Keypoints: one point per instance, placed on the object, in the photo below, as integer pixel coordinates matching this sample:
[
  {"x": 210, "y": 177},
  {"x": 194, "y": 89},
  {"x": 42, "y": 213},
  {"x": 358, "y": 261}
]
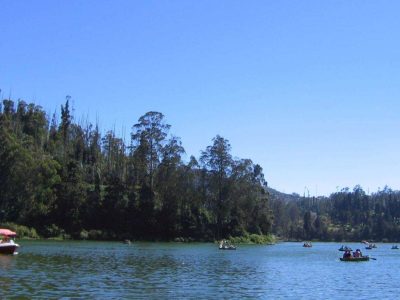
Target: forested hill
[
  {"x": 347, "y": 215},
  {"x": 68, "y": 179},
  {"x": 276, "y": 195}
]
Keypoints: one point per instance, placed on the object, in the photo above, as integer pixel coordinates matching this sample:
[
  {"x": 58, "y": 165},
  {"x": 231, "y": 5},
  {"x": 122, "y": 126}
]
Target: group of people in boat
[
  {"x": 349, "y": 254},
  {"x": 307, "y": 244},
  {"x": 5, "y": 239},
  {"x": 226, "y": 245}
]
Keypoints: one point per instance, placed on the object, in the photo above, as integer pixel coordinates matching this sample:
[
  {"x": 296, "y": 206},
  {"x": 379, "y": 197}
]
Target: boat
[
  {"x": 230, "y": 247},
  {"x": 307, "y": 244},
  {"x": 7, "y": 244},
  {"x": 395, "y": 247},
  {"x": 226, "y": 245},
  {"x": 355, "y": 259},
  {"x": 345, "y": 248},
  {"x": 371, "y": 246}
]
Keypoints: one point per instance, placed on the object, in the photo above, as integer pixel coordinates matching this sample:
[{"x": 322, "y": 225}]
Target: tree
[
  {"x": 71, "y": 196},
  {"x": 149, "y": 138},
  {"x": 114, "y": 155},
  {"x": 218, "y": 160},
  {"x": 66, "y": 120},
  {"x": 170, "y": 188},
  {"x": 308, "y": 225}
]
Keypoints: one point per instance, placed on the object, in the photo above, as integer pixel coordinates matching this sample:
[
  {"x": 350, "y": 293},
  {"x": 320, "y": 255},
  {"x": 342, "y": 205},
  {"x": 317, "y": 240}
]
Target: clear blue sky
[{"x": 310, "y": 90}]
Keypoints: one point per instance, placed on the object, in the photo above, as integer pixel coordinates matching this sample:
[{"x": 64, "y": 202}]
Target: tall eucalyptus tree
[
  {"x": 218, "y": 161},
  {"x": 149, "y": 137}
]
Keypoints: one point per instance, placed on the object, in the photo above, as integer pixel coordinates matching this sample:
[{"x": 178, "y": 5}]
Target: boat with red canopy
[{"x": 7, "y": 244}]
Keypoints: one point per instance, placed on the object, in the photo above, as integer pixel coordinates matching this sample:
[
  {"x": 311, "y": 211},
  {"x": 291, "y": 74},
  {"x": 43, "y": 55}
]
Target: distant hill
[{"x": 276, "y": 195}]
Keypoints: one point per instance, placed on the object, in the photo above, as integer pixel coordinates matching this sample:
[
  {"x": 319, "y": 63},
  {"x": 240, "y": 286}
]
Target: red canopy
[{"x": 7, "y": 232}]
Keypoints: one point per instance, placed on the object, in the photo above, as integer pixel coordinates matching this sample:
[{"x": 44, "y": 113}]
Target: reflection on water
[
  {"x": 46, "y": 269},
  {"x": 6, "y": 262}
]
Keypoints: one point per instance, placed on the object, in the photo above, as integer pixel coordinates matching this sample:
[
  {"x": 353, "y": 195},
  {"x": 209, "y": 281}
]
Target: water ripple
[{"x": 80, "y": 270}]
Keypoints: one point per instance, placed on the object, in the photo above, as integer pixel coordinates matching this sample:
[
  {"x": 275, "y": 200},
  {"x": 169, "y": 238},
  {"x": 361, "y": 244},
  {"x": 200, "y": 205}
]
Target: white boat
[{"x": 7, "y": 244}]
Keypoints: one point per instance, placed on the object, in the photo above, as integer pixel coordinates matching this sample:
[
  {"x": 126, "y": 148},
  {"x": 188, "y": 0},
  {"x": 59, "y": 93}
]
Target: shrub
[
  {"x": 95, "y": 235},
  {"x": 53, "y": 231},
  {"x": 84, "y": 235},
  {"x": 253, "y": 239}
]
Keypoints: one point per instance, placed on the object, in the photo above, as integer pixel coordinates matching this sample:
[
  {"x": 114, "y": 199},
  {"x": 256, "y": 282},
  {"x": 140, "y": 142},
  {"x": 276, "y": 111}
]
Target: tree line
[
  {"x": 65, "y": 178},
  {"x": 347, "y": 215}
]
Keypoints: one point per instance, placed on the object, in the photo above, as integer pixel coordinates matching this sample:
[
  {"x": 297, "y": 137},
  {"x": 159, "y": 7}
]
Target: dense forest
[
  {"x": 347, "y": 215},
  {"x": 61, "y": 178},
  {"x": 67, "y": 179}
]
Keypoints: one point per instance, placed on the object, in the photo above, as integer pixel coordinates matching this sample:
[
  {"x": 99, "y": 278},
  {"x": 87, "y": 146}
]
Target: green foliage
[
  {"x": 53, "y": 231},
  {"x": 66, "y": 179},
  {"x": 95, "y": 235},
  {"x": 21, "y": 230},
  {"x": 83, "y": 235},
  {"x": 344, "y": 216},
  {"x": 253, "y": 239}
]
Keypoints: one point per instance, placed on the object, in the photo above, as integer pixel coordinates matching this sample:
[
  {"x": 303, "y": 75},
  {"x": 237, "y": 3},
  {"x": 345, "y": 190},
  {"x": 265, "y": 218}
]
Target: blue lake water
[{"x": 99, "y": 270}]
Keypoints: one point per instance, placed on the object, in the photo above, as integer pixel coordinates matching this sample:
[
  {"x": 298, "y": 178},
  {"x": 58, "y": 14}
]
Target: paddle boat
[
  {"x": 7, "y": 244},
  {"x": 395, "y": 247},
  {"x": 355, "y": 259},
  {"x": 370, "y": 246},
  {"x": 226, "y": 245},
  {"x": 345, "y": 248},
  {"x": 307, "y": 244}
]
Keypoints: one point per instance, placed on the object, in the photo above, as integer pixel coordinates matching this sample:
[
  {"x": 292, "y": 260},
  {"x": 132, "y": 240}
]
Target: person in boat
[
  {"x": 347, "y": 254},
  {"x": 357, "y": 253},
  {"x": 224, "y": 244}
]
